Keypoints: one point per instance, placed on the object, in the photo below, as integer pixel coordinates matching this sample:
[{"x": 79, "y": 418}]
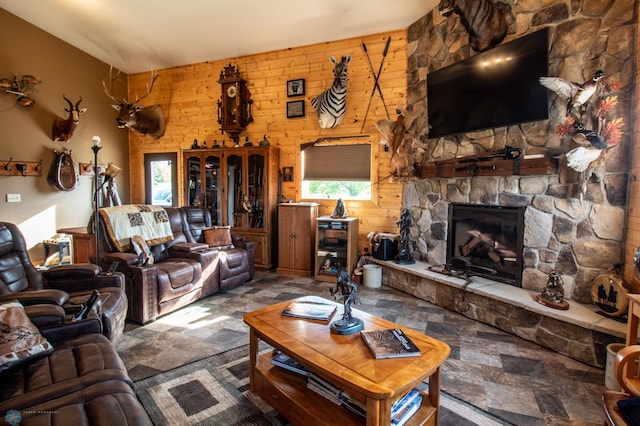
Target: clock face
[{"x": 231, "y": 91}]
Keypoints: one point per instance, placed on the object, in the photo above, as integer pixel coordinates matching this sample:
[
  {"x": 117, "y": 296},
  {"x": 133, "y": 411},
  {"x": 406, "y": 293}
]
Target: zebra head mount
[{"x": 330, "y": 104}]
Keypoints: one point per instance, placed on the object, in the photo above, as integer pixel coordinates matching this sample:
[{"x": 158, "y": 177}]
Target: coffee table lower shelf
[{"x": 288, "y": 394}]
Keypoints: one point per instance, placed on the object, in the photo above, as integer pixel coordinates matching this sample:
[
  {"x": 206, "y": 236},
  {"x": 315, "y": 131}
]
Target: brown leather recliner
[
  {"x": 236, "y": 263},
  {"x": 181, "y": 273},
  {"x": 52, "y": 298}
]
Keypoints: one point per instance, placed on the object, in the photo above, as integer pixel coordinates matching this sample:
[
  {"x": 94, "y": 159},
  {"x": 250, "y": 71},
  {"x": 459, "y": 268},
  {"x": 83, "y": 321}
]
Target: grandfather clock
[{"x": 234, "y": 106}]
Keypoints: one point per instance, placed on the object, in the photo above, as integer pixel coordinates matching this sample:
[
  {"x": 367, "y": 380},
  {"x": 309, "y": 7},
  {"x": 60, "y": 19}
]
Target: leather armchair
[
  {"x": 53, "y": 297},
  {"x": 182, "y": 272}
]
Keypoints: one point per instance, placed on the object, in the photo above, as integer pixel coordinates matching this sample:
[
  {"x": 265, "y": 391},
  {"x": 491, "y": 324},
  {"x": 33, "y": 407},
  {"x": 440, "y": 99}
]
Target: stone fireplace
[
  {"x": 488, "y": 240},
  {"x": 573, "y": 222}
]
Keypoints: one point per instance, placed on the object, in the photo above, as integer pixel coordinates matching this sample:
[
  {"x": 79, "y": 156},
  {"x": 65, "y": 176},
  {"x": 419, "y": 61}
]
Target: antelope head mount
[
  {"x": 62, "y": 128},
  {"x": 143, "y": 119}
]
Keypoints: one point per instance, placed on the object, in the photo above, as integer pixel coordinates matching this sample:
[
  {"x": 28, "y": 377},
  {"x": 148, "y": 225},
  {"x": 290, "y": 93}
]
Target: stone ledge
[{"x": 589, "y": 348}]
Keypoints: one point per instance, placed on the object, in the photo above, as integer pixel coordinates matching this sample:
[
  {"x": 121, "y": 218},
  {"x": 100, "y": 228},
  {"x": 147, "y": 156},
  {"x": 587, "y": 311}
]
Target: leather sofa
[
  {"x": 54, "y": 296},
  {"x": 83, "y": 381},
  {"x": 236, "y": 262},
  {"x": 183, "y": 271}
]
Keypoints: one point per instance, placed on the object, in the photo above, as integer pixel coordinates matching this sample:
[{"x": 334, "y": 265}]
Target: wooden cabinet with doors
[
  {"x": 240, "y": 187},
  {"x": 296, "y": 237}
]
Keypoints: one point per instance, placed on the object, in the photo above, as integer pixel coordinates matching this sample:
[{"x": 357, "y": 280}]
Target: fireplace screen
[{"x": 490, "y": 237}]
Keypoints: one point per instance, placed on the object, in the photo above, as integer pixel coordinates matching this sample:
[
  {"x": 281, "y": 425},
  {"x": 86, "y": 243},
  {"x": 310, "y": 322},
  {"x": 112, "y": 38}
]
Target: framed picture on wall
[
  {"x": 295, "y": 87},
  {"x": 287, "y": 174},
  {"x": 295, "y": 109}
]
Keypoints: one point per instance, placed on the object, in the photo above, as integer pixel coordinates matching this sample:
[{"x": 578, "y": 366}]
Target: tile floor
[{"x": 517, "y": 380}]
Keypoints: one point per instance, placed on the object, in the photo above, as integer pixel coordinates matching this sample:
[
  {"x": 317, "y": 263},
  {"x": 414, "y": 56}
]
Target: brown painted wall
[
  {"x": 25, "y": 134},
  {"x": 189, "y": 94}
]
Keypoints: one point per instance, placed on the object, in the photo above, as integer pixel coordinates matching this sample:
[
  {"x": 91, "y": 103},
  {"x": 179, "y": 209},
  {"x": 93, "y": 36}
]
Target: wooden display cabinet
[
  {"x": 296, "y": 237},
  {"x": 240, "y": 187},
  {"x": 336, "y": 246}
]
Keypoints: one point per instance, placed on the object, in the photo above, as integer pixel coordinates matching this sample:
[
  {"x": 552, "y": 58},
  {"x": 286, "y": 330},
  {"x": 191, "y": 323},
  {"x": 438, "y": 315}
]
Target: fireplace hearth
[{"x": 489, "y": 238}]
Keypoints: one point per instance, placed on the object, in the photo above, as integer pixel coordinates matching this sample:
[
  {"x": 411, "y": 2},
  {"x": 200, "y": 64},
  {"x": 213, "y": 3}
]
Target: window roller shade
[{"x": 337, "y": 162}]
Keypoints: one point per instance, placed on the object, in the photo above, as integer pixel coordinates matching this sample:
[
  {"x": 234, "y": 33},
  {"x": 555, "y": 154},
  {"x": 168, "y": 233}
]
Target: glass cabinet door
[
  {"x": 236, "y": 199},
  {"x": 212, "y": 194},
  {"x": 255, "y": 186},
  {"x": 194, "y": 173}
]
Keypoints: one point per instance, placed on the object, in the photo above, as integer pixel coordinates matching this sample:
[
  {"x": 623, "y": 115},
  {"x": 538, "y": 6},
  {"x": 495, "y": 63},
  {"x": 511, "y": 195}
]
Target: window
[
  {"x": 336, "y": 171},
  {"x": 161, "y": 188}
]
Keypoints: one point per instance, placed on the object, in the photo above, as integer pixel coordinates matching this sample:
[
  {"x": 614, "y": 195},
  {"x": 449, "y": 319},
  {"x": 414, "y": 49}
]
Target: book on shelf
[
  {"x": 311, "y": 307},
  {"x": 407, "y": 412},
  {"x": 335, "y": 394},
  {"x": 404, "y": 401},
  {"x": 389, "y": 343},
  {"x": 284, "y": 361}
]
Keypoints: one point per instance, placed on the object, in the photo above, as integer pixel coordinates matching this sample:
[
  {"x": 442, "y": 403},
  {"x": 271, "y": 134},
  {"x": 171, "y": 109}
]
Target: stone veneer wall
[{"x": 577, "y": 231}]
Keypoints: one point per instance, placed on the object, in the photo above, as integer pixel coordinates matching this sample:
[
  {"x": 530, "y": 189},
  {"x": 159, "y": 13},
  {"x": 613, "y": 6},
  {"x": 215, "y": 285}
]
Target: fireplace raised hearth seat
[
  {"x": 579, "y": 332},
  {"x": 167, "y": 270}
]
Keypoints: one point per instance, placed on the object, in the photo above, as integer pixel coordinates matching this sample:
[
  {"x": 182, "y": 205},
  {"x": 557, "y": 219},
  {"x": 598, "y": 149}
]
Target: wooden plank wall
[
  {"x": 189, "y": 94},
  {"x": 633, "y": 218}
]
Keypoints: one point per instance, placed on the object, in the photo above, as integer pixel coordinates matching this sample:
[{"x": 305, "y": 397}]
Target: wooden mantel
[{"x": 466, "y": 167}]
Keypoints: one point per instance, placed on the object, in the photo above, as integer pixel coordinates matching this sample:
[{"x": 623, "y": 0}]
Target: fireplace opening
[{"x": 489, "y": 237}]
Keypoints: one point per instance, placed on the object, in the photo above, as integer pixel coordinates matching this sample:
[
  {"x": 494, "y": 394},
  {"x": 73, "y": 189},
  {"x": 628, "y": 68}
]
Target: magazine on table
[
  {"x": 311, "y": 307},
  {"x": 390, "y": 343}
]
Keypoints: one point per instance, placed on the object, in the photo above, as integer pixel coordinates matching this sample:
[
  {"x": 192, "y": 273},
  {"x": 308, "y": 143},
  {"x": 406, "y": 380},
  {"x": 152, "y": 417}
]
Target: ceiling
[{"x": 141, "y": 35}]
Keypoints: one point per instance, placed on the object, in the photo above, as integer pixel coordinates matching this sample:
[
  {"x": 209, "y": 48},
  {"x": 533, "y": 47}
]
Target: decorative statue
[
  {"x": 349, "y": 290},
  {"x": 553, "y": 294},
  {"x": 340, "y": 212},
  {"x": 264, "y": 141},
  {"x": 404, "y": 254}
]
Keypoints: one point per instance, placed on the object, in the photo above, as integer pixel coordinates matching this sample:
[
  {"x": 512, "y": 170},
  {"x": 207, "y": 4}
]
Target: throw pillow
[
  {"x": 141, "y": 248},
  {"x": 20, "y": 339},
  {"x": 220, "y": 236}
]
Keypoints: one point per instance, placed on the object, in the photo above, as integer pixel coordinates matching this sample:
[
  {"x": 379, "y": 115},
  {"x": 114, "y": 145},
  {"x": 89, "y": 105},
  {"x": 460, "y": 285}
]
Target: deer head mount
[
  {"x": 143, "y": 119},
  {"x": 63, "y": 128}
]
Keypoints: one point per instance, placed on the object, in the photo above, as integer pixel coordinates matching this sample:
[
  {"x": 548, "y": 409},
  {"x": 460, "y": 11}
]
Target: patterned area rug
[{"x": 215, "y": 391}]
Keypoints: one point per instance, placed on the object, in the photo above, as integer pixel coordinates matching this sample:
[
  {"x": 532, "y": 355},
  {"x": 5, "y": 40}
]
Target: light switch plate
[{"x": 14, "y": 198}]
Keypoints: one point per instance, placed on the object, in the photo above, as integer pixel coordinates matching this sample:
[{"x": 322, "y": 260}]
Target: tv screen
[{"x": 495, "y": 88}]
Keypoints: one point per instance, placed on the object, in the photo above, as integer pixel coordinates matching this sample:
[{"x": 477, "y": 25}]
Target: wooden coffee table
[{"x": 346, "y": 362}]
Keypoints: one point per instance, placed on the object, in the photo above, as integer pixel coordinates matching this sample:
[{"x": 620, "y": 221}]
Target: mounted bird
[{"x": 577, "y": 95}]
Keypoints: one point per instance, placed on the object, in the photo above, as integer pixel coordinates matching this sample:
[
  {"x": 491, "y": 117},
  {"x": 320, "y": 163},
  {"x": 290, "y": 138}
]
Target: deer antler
[
  {"x": 109, "y": 90},
  {"x": 154, "y": 76}
]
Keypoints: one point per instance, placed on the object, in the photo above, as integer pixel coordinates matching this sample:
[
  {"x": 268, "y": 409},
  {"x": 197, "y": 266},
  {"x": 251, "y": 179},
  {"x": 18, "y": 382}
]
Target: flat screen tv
[{"x": 498, "y": 87}]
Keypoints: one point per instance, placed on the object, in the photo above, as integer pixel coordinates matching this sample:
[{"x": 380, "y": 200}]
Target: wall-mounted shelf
[
  {"x": 20, "y": 168},
  {"x": 495, "y": 167}
]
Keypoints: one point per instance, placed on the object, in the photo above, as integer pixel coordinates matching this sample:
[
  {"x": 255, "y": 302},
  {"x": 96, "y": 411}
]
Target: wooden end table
[{"x": 346, "y": 362}]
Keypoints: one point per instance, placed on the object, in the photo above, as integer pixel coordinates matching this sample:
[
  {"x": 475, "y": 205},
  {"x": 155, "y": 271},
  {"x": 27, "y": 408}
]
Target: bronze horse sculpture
[{"x": 486, "y": 21}]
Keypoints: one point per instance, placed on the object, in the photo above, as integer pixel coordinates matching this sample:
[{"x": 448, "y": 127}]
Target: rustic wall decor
[
  {"x": 295, "y": 87},
  {"x": 295, "y": 109}
]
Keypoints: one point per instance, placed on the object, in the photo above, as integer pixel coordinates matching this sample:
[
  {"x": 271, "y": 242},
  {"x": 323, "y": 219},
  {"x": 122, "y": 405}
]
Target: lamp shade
[{"x": 112, "y": 171}]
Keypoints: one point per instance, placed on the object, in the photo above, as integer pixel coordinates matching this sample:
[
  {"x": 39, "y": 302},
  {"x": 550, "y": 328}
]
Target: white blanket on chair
[{"x": 123, "y": 222}]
